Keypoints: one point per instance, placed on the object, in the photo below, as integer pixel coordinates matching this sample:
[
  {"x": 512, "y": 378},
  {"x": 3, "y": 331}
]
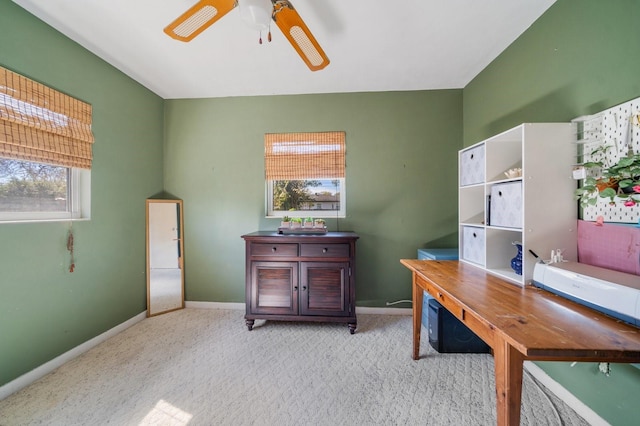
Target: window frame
[{"x": 325, "y": 214}]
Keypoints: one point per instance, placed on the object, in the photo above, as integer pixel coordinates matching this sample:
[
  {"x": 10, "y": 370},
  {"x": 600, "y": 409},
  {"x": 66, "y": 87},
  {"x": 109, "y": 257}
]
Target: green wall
[
  {"x": 581, "y": 57},
  {"x": 400, "y": 184},
  {"x": 578, "y": 58},
  {"x": 44, "y": 309}
]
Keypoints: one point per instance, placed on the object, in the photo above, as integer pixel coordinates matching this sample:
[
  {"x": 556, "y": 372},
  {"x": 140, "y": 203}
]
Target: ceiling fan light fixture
[{"x": 256, "y": 13}]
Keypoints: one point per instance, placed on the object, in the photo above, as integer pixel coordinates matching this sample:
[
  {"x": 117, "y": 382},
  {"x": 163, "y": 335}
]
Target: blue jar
[{"x": 516, "y": 262}]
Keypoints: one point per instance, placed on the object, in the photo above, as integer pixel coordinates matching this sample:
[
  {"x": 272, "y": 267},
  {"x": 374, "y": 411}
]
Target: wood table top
[{"x": 539, "y": 324}]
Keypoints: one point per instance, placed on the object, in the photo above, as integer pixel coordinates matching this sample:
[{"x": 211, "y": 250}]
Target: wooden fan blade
[
  {"x": 198, "y": 18},
  {"x": 298, "y": 34}
]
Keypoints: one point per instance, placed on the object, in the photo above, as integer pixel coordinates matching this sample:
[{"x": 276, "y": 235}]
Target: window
[
  {"x": 36, "y": 191},
  {"x": 45, "y": 152},
  {"x": 305, "y": 174}
]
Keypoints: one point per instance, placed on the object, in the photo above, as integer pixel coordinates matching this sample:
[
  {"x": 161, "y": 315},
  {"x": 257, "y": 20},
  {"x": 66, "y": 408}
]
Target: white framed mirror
[{"x": 165, "y": 256}]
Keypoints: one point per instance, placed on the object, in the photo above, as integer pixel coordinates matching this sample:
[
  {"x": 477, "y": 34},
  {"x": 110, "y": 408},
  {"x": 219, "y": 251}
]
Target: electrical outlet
[{"x": 605, "y": 368}]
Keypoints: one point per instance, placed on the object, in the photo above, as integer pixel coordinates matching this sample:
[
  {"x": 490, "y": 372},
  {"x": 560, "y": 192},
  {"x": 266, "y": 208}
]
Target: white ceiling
[{"x": 373, "y": 45}]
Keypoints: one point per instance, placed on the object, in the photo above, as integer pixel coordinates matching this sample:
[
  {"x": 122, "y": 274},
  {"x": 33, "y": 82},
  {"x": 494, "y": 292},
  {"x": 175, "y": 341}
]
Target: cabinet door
[
  {"x": 274, "y": 288},
  {"x": 324, "y": 288}
]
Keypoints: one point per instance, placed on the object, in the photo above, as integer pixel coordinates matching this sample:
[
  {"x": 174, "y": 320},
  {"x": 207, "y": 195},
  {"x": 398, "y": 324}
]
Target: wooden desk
[{"x": 519, "y": 324}]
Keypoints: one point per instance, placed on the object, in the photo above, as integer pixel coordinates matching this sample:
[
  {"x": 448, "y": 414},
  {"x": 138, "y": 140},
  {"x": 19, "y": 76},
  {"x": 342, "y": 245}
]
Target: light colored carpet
[{"x": 203, "y": 367}]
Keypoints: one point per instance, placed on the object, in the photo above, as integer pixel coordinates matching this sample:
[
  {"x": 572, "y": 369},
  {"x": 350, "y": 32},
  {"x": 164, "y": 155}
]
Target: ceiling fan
[{"x": 206, "y": 12}]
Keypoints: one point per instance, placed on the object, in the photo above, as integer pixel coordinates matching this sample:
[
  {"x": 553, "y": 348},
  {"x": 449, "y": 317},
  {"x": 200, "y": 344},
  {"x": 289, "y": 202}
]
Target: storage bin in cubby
[
  {"x": 472, "y": 166},
  {"x": 506, "y": 205},
  {"x": 473, "y": 248}
]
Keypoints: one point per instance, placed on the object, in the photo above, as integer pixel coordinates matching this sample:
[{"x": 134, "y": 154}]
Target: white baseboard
[
  {"x": 46, "y": 368},
  {"x": 383, "y": 311},
  {"x": 561, "y": 392},
  {"x": 241, "y": 307},
  {"x": 215, "y": 305}
]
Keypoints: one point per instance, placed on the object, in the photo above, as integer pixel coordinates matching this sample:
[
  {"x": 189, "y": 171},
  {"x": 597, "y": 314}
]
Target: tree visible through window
[
  {"x": 33, "y": 187},
  {"x": 318, "y": 195}
]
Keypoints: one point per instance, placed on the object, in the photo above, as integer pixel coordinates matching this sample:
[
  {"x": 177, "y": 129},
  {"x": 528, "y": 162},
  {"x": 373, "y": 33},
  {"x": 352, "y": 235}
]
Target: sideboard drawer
[
  {"x": 260, "y": 249},
  {"x": 324, "y": 250}
]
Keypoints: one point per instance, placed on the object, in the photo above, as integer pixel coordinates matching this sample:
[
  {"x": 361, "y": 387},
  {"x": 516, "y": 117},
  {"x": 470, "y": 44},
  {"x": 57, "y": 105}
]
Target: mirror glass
[{"x": 165, "y": 271}]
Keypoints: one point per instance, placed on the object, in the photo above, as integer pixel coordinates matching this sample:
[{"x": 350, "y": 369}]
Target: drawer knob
[
  {"x": 324, "y": 250},
  {"x": 439, "y": 295},
  {"x": 273, "y": 249}
]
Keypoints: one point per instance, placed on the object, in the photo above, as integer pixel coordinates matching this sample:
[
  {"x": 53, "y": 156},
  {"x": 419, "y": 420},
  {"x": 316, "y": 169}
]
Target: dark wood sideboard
[{"x": 301, "y": 277}]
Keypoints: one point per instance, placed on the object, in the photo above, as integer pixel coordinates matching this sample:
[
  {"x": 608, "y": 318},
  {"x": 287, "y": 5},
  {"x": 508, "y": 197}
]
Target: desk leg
[
  {"x": 508, "y": 368},
  {"x": 417, "y": 317}
]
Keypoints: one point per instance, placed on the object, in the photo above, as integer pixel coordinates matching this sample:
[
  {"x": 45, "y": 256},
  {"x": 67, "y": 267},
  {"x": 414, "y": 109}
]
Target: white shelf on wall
[{"x": 538, "y": 209}]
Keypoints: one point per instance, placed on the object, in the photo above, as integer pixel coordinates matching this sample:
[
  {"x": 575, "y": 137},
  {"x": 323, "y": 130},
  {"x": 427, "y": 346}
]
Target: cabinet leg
[
  {"x": 249, "y": 323},
  {"x": 352, "y": 327}
]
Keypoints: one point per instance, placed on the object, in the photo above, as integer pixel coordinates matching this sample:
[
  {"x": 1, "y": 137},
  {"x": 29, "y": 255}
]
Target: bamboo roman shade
[
  {"x": 297, "y": 156},
  {"x": 42, "y": 125}
]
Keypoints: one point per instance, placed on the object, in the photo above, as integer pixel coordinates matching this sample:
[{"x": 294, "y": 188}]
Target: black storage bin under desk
[{"x": 447, "y": 334}]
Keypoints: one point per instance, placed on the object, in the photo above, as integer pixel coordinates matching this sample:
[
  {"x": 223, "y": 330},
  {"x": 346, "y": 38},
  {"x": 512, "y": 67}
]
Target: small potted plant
[
  {"x": 319, "y": 223},
  {"x": 308, "y": 222},
  {"x": 627, "y": 173},
  {"x": 286, "y": 222},
  {"x": 620, "y": 180},
  {"x": 296, "y": 222}
]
